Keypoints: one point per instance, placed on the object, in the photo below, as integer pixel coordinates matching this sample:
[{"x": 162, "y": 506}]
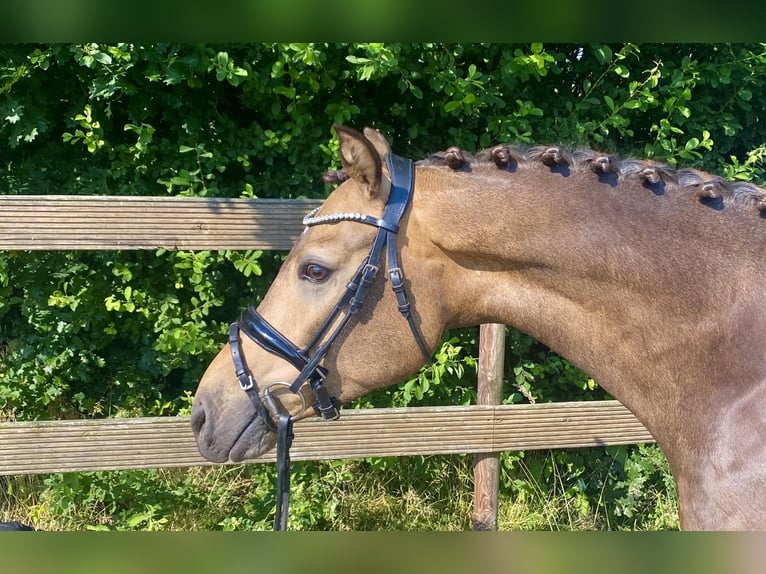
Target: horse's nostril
[{"x": 197, "y": 416}]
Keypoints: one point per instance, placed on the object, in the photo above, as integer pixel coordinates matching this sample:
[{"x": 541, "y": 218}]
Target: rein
[{"x": 307, "y": 360}]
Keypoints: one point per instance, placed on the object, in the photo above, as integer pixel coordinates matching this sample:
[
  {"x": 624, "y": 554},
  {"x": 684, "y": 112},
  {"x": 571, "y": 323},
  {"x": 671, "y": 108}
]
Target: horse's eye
[{"x": 316, "y": 273}]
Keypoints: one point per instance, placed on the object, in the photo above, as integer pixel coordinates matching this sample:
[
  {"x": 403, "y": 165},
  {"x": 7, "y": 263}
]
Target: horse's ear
[
  {"x": 360, "y": 159},
  {"x": 378, "y": 141}
]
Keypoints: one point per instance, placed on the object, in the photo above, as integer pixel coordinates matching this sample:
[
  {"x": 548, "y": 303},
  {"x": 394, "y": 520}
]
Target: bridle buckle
[{"x": 247, "y": 385}]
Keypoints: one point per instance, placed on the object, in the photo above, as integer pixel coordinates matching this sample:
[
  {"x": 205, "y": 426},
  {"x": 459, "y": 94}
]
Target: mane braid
[
  {"x": 334, "y": 177},
  {"x": 707, "y": 188}
]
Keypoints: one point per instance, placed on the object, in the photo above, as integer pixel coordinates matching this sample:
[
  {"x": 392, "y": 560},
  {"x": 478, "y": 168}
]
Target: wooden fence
[{"x": 483, "y": 430}]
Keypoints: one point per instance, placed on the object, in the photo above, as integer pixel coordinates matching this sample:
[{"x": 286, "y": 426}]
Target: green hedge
[{"x": 86, "y": 333}]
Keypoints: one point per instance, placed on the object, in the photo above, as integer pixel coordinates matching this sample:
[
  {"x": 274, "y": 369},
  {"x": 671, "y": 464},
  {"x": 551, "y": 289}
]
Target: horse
[{"x": 651, "y": 279}]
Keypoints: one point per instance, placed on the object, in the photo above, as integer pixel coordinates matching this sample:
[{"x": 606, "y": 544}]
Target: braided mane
[{"x": 713, "y": 190}]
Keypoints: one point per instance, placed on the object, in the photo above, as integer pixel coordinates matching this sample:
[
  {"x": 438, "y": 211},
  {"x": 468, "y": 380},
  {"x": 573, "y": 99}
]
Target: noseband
[{"x": 307, "y": 359}]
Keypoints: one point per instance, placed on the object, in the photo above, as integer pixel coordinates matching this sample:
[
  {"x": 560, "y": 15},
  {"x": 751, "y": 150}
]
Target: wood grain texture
[
  {"x": 44, "y": 222},
  {"x": 486, "y": 467},
  {"x": 156, "y": 442}
]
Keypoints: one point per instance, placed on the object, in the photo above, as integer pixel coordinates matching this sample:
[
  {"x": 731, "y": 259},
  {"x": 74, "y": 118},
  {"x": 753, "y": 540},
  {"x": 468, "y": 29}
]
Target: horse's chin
[
  {"x": 255, "y": 441},
  {"x": 226, "y": 442}
]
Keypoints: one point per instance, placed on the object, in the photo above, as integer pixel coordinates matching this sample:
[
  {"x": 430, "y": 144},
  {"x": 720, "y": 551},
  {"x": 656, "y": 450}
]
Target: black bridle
[{"x": 307, "y": 359}]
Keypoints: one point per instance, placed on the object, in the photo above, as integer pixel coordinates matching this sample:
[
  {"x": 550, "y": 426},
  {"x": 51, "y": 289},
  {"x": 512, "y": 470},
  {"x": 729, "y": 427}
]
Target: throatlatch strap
[{"x": 396, "y": 276}]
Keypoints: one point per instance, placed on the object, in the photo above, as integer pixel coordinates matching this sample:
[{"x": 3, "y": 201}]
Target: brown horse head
[
  {"x": 650, "y": 279},
  {"x": 307, "y": 288}
]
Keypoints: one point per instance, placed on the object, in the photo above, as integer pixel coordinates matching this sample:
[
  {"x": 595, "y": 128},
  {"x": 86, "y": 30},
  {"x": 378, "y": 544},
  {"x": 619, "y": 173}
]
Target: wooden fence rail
[
  {"x": 155, "y": 442},
  {"x": 104, "y": 222},
  {"x": 45, "y": 222}
]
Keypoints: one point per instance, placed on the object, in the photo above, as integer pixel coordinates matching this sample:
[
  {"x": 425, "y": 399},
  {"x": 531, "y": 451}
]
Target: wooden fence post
[{"x": 486, "y": 470}]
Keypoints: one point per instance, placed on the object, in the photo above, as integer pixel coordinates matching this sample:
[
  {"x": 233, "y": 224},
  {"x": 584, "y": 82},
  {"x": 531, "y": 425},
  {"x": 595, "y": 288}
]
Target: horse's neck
[
  {"x": 642, "y": 291},
  {"x": 657, "y": 296}
]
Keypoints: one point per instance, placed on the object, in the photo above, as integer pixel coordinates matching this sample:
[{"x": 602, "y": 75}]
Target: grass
[{"x": 539, "y": 491}]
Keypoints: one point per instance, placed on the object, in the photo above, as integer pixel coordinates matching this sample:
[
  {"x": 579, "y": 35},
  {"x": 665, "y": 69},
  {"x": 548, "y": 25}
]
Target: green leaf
[
  {"x": 136, "y": 519},
  {"x": 603, "y": 54},
  {"x": 452, "y": 105},
  {"x": 102, "y": 58}
]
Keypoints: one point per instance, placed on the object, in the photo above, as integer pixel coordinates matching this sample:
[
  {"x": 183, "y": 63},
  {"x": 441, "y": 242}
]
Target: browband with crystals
[{"x": 313, "y": 219}]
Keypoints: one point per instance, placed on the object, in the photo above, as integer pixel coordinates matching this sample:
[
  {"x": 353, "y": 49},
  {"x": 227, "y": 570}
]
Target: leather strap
[
  {"x": 245, "y": 377},
  {"x": 284, "y": 441}
]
